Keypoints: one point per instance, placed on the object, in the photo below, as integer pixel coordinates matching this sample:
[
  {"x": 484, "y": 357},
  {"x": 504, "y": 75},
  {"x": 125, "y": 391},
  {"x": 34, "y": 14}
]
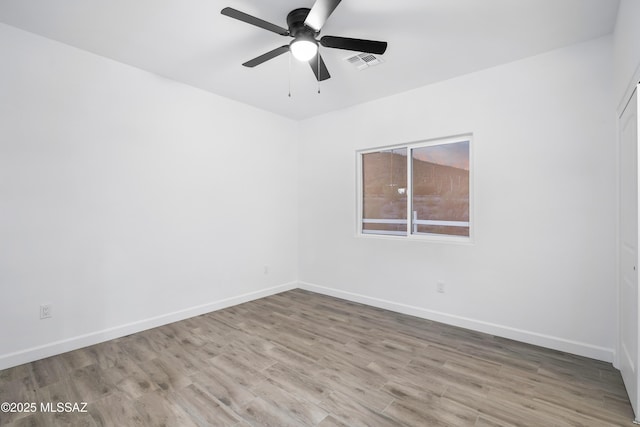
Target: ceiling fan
[{"x": 304, "y": 26}]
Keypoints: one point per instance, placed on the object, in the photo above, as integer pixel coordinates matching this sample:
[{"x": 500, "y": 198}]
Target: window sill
[{"x": 426, "y": 238}]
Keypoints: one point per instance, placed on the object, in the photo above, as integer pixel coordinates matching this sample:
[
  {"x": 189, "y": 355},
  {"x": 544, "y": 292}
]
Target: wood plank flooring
[{"x": 303, "y": 359}]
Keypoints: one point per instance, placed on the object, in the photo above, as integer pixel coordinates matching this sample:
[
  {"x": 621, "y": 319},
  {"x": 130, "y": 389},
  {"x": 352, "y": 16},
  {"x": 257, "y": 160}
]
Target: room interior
[{"x": 147, "y": 177}]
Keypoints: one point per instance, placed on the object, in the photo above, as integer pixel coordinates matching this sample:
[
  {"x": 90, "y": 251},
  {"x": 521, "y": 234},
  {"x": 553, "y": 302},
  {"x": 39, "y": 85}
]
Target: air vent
[{"x": 364, "y": 60}]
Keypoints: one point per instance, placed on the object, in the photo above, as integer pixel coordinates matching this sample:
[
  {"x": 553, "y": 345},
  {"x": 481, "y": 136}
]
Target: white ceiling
[{"x": 429, "y": 41}]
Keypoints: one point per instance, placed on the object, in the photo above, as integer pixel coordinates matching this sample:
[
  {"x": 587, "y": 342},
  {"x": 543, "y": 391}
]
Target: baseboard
[
  {"x": 62, "y": 346},
  {"x": 548, "y": 341}
]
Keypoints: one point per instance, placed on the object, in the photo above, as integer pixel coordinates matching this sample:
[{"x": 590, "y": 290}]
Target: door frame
[{"x": 633, "y": 89}]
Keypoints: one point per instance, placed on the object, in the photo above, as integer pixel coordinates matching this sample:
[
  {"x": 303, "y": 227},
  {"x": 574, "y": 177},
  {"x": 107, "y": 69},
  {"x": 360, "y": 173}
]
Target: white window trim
[{"x": 443, "y": 238}]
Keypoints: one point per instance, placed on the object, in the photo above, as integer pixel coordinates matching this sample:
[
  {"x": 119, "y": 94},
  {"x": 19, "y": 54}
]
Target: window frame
[{"x": 445, "y": 238}]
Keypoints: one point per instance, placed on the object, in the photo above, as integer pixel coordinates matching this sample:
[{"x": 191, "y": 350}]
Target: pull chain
[
  {"x": 289, "y": 74},
  {"x": 318, "y": 56}
]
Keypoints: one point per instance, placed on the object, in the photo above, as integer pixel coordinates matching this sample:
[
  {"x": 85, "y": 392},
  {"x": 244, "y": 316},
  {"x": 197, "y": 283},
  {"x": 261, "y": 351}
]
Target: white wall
[
  {"x": 626, "y": 49},
  {"x": 542, "y": 268},
  {"x": 128, "y": 200}
]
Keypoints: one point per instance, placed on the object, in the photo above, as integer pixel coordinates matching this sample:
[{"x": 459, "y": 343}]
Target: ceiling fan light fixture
[
  {"x": 303, "y": 48},
  {"x": 304, "y": 25}
]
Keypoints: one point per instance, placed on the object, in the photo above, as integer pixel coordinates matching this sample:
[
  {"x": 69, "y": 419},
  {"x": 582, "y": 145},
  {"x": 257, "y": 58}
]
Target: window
[{"x": 421, "y": 189}]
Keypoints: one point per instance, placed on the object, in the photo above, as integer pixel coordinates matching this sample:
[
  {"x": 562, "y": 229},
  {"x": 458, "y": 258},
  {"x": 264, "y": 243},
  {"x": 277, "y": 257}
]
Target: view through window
[
  {"x": 384, "y": 177},
  {"x": 438, "y": 197}
]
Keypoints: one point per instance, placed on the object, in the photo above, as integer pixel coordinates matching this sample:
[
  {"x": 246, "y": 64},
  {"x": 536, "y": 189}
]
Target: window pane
[
  {"x": 441, "y": 189},
  {"x": 384, "y": 204}
]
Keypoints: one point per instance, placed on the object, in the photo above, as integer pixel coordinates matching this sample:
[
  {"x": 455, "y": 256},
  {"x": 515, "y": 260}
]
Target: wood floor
[{"x": 303, "y": 359}]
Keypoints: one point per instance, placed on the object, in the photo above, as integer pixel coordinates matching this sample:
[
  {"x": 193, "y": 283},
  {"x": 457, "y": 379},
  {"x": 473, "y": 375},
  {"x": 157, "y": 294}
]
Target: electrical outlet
[
  {"x": 440, "y": 287},
  {"x": 45, "y": 311}
]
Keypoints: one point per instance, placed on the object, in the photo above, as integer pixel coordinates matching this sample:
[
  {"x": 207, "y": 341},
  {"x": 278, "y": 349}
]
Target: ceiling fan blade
[
  {"x": 320, "y": 11},
  {"x": 321, "y": 72},
  {"x": 267, "y": 56},
  {"x": 358, "y": 45},
  {"x": 241, "y": 16}
]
